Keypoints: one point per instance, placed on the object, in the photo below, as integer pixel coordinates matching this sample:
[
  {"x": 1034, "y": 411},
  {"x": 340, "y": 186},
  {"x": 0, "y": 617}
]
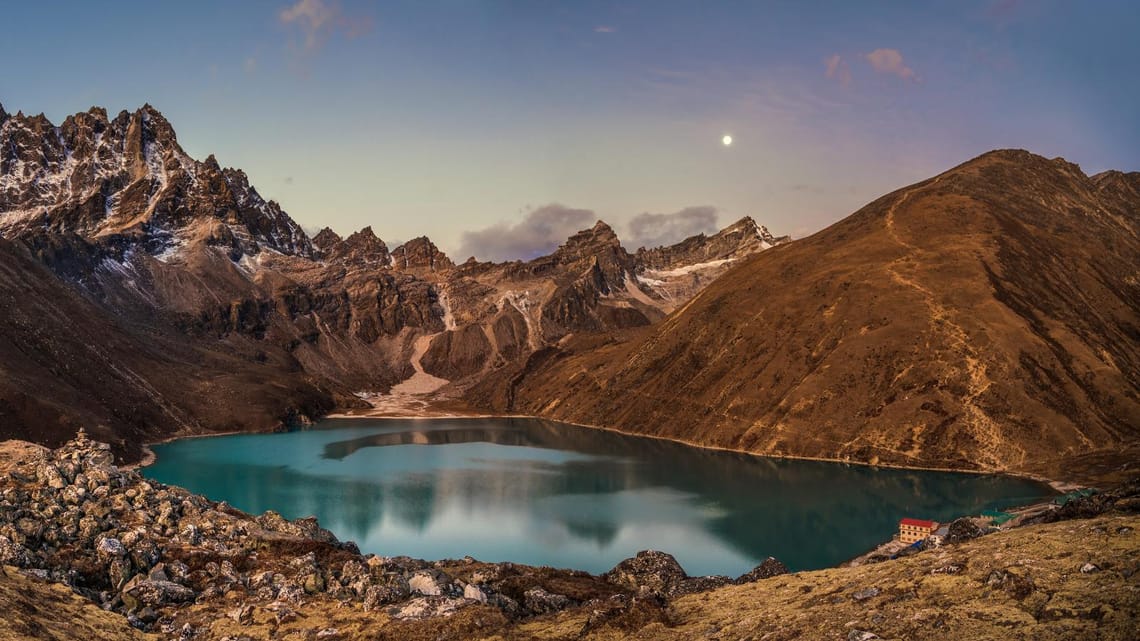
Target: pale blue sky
[{"x": 439, "y": 117}]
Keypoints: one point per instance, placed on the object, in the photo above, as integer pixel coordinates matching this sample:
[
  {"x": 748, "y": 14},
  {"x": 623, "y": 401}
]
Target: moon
[{"x": 727, "y": 140}]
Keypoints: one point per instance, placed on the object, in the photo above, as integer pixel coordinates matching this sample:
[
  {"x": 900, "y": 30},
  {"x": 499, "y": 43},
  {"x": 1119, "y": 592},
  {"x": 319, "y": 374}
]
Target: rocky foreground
[{"x": 94, "y": 551}]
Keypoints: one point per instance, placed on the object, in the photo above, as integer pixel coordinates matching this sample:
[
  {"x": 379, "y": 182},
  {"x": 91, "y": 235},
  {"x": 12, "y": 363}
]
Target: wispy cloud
[
  {"x": 539, "y": 233},
  {"x": 604, "y": 29},
  {"x": 656, "y": 230},
  {"x": 890, "y": 61},
  {"x": 249, "y": 65},
  {"x": 318, "y": 20},
  {"x": 838, "y": 69}
]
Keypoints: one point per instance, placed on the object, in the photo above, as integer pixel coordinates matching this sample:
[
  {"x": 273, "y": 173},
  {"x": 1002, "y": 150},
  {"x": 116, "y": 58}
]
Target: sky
[{"x": 499, "y": 127}]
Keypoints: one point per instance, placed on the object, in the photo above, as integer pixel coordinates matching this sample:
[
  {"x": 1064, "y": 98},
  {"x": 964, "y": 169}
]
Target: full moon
[{"x": 727, "y": 140}]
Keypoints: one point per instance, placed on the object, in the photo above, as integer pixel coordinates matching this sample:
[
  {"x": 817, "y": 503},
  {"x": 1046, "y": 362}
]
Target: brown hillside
[{"x": 988, "y": 318}]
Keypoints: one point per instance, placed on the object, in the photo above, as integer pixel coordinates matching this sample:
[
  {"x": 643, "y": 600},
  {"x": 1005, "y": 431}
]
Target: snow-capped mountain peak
[{"x": 128, "y": 177}]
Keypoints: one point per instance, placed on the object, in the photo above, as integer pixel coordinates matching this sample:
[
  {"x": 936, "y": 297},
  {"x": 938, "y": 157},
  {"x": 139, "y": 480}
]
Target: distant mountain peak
[
  {"x": 601, "y": 234},
  {"x": 421, "y": 253},
  {"x": 741, "y": 238},
  {"x": 326, "y": 239}
]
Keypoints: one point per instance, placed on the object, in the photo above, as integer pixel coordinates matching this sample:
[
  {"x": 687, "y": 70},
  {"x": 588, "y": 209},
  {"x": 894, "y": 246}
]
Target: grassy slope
[{"x": 984, "y": 319}]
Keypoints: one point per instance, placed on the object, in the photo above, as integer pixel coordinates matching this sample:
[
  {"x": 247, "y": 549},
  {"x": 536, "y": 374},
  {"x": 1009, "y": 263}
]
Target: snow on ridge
[
  {"x": 687, "y": 269},
  {"x": 172, "y": 250}
]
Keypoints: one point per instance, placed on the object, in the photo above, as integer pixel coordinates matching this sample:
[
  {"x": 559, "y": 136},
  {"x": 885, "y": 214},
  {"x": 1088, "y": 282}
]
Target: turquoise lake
[{"x": 546, "y": 493}]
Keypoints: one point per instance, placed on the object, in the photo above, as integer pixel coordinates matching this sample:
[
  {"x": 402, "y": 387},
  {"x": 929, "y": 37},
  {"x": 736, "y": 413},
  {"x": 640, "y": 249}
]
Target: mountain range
[
  {"x": 985, "y": 319},
  {"x": 148, "y": 294}
]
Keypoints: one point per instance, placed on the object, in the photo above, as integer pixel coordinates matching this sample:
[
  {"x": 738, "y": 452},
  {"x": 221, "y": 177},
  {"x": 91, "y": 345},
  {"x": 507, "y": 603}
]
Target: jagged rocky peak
[
  {"x": 360, "y": 247},
  {"x": 599, "y": 241},
  {"x": 326, "y": 239},
  {"x": 748, "y": 226},
  {"x": 596, "y": 249},
  {"x": 600, "y": 234},
  {"x": 3, "y": 114},
  {"x": 128, "y": 176},
  {"x": 420, "y": 253}
]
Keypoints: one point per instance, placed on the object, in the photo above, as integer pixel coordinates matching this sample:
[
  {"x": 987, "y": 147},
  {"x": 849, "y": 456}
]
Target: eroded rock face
[{"x": 420, "y": 254}]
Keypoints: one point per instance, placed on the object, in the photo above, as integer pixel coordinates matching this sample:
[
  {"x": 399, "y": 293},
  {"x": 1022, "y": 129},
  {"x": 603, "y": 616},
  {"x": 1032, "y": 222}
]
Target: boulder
[
  {"x": 474, "y": 593},
  {"x": 767, "y": 569},
  {"x": 650, "y": 572},
  {"x": 963, "y": 529},
  {"x": 433, "y": 583}
]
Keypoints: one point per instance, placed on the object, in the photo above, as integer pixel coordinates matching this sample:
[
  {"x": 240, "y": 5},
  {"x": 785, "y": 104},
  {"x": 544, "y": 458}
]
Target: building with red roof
[{"x": 914, "y": 530}]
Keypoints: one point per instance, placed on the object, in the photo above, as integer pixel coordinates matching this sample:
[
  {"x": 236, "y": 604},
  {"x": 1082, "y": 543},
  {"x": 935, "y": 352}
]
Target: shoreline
[
  {"x": 1058, "y": 486},
  {"x": 149, "y": 457}
]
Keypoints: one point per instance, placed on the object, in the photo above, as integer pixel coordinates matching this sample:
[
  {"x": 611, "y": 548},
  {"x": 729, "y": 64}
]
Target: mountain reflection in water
[{"x": 548, "y": 493}]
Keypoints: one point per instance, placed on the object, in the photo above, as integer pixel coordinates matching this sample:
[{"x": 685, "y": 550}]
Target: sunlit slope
[{"x": 986, "y": 318}]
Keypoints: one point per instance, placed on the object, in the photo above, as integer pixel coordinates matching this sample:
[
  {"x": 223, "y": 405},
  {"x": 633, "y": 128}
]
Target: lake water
[{"x": 546, "y": 493}]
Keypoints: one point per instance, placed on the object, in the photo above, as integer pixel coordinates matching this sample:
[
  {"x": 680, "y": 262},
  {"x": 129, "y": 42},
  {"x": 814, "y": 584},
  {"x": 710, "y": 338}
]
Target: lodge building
[{"x": 914, "y": 530}]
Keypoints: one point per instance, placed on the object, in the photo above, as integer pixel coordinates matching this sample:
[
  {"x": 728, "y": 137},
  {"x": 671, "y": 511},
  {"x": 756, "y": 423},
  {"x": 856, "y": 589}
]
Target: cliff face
[
  {"x": 987, "y": 318},
  {"x": 152, "y": 294}
]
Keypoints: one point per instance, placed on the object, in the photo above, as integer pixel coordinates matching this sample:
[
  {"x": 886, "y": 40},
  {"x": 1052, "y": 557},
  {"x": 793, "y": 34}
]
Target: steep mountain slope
[
  {"x": 988, "y": 318},
  {"x": 191, "y": 303},
  {"x": 66, "y": 362}
]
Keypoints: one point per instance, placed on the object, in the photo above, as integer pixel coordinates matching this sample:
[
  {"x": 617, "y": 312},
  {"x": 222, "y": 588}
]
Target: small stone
[
  {"x": 1089, "y": 568},
  {"x": 863, "y": 595},
  {"x": 141, "y": 592},
  {"x": 243, "y": 615},
  {"x": 158, "y": 573},
  {"x": 313, "y": 584},
  {"x": 861, "y": 635}
]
